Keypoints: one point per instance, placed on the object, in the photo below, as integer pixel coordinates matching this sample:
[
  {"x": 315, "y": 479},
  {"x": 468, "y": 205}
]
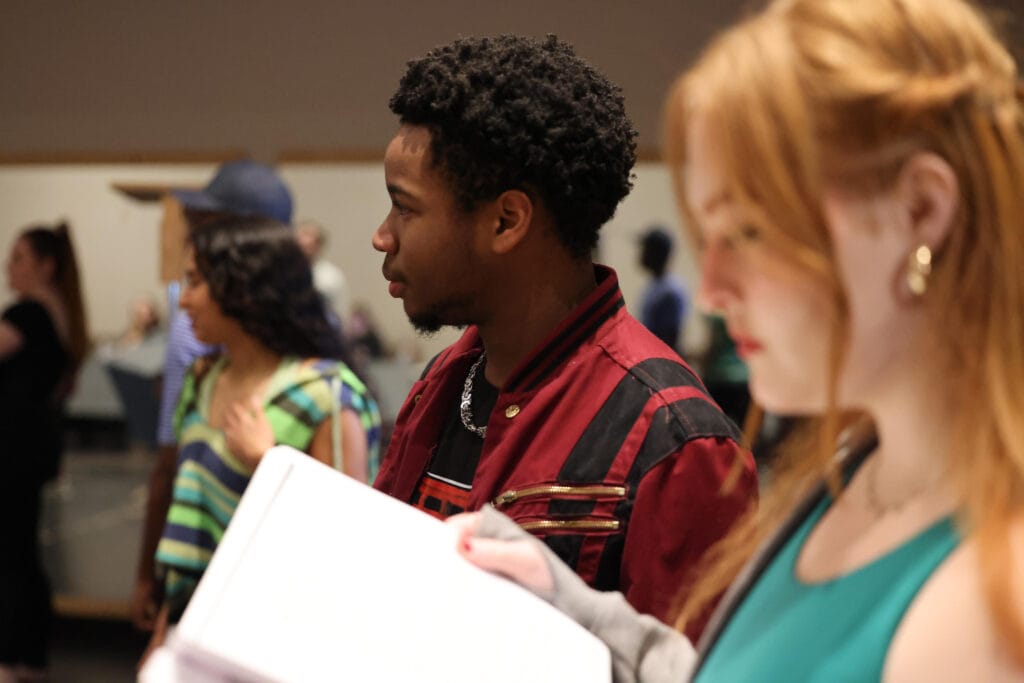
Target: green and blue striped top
[{"x": 210, "y": 480}]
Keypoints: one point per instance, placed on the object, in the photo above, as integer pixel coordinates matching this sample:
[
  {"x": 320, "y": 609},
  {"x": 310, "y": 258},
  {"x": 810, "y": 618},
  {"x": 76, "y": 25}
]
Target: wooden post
[{"x": 172, "y": 239}]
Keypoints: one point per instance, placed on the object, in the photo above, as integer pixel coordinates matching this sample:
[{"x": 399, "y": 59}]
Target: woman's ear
[
  {"x": 513, "y": 215},
  {"x": 929, "y": 195}
]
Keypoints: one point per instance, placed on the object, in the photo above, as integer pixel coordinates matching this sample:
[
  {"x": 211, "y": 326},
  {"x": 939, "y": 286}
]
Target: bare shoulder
[{"x": 947, "y": 633}]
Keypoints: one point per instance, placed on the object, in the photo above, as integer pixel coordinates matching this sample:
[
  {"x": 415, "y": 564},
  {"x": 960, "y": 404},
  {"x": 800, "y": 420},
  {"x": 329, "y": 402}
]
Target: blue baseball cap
[{"x": 242, "y": 187}]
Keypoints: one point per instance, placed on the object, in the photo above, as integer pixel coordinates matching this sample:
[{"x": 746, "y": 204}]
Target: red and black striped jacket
[{"x": 603, "y": 443}]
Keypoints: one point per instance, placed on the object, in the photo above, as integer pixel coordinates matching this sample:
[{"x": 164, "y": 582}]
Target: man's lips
[{"x": 395, "y": 285}]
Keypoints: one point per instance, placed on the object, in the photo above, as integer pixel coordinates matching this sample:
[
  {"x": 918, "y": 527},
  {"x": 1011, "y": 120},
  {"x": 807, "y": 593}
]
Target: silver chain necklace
[{"x": 466, "y": 404}]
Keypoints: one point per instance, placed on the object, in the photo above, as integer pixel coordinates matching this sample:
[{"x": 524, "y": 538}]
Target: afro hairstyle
[{"x": 512, "y": 112}]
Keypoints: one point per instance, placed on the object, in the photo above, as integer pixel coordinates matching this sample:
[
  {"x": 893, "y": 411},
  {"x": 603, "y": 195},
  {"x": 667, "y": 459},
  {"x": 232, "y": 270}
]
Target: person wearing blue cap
[
  {"x": 242, "y": 188},
  {"x": 239, "y": 188}
]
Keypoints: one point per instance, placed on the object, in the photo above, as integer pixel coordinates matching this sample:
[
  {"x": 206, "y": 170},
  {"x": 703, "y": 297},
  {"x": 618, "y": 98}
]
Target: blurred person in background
[
  {"x": 724, "y": 372},
  {"x": 280, "y": 379},
  {"x": 134, "y": 360},
  {"x": 664, "y": 304},
  {"x": 328, "y": 278},
  {"x": 141, "y": 347},
  {"x": 143, "y": 321},
  {"x": 238, "y": 188},
  {"x": 363, "y": 336},
  {"x": 43, "y": 340}
]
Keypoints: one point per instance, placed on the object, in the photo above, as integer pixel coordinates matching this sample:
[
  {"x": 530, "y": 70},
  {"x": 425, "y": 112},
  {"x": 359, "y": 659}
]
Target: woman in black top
[{"x": 42, "y": 343}]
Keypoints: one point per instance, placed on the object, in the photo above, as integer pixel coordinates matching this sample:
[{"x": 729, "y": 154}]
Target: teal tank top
[{"x": 828, "y": 632}]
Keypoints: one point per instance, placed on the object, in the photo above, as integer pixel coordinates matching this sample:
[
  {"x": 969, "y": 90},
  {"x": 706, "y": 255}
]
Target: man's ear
[
  {"x": 512, "y": 217},
  {"x": 929, "y": 195}
]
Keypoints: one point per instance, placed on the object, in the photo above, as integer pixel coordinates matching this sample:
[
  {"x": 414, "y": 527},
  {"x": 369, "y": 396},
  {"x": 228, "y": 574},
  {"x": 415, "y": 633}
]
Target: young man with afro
[{"x": 556, "y": 406}]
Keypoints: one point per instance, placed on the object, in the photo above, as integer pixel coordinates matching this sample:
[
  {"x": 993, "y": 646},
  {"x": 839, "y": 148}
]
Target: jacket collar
[{"x": 582, "y": 323}]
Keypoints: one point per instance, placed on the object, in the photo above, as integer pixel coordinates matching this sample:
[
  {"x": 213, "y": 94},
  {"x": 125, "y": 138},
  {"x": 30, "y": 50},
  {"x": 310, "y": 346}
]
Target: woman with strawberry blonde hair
[{"x": 853, "y": 173}]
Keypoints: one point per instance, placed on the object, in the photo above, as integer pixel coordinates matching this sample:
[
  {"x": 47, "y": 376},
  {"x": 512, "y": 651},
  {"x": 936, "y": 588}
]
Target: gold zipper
[
  {"x": 509, "y": 497},
  {"x": 577, "y": 524}
]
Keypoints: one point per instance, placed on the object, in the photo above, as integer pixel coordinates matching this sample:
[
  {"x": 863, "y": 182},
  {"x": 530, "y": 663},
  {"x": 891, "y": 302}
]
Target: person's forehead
[
  {"x": 409, "y": 149},
  {"x": 706, "y": 188},
  {"x": 407, "y": 164}
]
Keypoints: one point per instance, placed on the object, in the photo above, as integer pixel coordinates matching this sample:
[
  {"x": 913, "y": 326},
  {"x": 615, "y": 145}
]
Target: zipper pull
[{"x": 506, "y": 498}]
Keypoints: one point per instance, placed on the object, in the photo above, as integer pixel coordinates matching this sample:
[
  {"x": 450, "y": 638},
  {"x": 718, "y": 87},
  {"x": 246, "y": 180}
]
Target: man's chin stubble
[{"x": 429, "y": 324}]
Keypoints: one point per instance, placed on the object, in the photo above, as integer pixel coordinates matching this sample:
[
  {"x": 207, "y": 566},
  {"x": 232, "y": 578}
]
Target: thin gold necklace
[{"x": 881, "y": 508}]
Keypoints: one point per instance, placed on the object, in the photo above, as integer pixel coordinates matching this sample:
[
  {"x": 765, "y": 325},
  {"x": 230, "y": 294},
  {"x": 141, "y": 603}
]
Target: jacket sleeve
[
  {"x": 680, "y": 510},
  {"x": 642, "y": 648}
]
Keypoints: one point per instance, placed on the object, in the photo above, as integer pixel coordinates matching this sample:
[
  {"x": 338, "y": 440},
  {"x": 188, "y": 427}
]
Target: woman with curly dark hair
[
  {"x": 42, "y": 342},
  {"x": 281, "y": 379}
]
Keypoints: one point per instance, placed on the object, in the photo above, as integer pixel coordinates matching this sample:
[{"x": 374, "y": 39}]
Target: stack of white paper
[{"x": 320, "y": 578}]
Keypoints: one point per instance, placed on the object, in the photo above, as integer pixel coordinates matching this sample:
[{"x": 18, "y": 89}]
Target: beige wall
[
  {"x": 117, "y": 238},
  {"x": 119, "y": 79}
]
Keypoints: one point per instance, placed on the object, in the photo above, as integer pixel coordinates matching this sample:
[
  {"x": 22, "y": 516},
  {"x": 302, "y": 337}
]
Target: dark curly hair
[
  {"x": 514, "y": 112},
  {"x": 259, "y": 276}
]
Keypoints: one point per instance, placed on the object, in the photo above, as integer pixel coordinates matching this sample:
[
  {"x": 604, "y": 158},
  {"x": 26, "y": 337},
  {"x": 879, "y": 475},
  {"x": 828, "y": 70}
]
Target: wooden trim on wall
[
  {"x": 307, "y": 156},
  {"x": 139, "y": 157},
  {"x": 91, "y": 608},
  {"x": 150, "y": 192},
  {"x": 341, "y": 156},
  {"x": 330, "y": 156},
  {"x": 649, "y": 155}
]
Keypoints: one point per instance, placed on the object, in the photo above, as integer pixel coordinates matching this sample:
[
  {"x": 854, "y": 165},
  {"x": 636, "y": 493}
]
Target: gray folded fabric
[{"x": 643, "y": 648}]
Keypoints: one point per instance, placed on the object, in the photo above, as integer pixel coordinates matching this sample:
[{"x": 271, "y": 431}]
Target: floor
[
  {"x": 91, "y": 524},
  {"x": 94, "y": 651}
]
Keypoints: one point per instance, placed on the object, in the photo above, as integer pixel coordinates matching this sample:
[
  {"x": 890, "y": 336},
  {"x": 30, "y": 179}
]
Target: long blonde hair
[{"x": 811, "y": 94}]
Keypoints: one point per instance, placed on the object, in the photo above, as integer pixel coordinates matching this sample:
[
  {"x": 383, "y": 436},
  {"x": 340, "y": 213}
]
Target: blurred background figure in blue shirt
[{"x": 664, "y": 303}]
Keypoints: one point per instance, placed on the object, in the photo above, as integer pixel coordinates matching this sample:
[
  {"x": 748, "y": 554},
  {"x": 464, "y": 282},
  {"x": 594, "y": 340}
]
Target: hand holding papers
[{"x": 320, "y": 578}]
